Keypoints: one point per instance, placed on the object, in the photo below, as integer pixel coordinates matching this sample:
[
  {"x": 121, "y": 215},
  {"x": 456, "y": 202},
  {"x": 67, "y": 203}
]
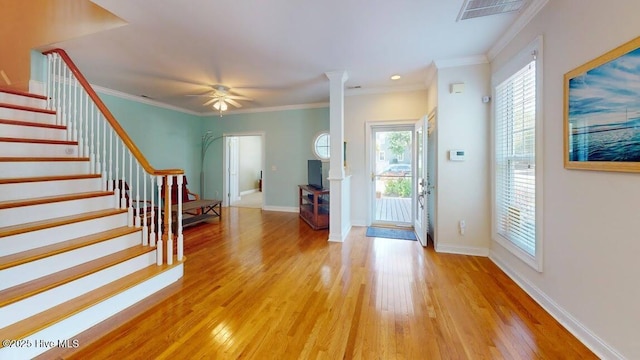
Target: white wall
[
  {"x": 358, "y": 109},
  {"x": 591, "y": 237},
  {"x": 250, "y": 162},
  {"x": 463, "y": 186}
]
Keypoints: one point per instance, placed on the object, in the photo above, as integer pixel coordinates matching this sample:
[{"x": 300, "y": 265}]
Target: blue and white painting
[{"x": 604, "y": 112}]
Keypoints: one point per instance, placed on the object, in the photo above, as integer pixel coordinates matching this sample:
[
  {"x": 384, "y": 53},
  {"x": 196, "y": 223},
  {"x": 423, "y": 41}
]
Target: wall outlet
[{"x": 462, "y": 227}]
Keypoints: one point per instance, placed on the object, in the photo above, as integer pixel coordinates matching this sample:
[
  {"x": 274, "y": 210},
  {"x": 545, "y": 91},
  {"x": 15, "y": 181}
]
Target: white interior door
[
  {"x": 232, "y": 171},
  {"x": 420, "y": 199}
]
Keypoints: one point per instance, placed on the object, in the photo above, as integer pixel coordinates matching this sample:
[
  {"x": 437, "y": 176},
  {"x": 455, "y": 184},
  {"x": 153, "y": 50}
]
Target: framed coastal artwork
[{"x": 602, "y": 112}]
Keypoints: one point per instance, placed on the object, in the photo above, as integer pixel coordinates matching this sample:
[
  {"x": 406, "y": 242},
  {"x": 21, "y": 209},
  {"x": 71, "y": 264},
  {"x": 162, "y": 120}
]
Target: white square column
[{"x": 340, "y": 195}]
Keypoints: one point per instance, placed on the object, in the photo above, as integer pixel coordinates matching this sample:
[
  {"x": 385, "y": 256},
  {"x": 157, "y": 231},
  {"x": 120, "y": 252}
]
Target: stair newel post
[
  {"x": 152, "y": 224},
  {"x": 168, "y": 218},
  {"x": 159, "y": 220},
  {"x": 128, "y": 202},
  {"x": 137, "y": 222},
  {"x": 179, "y": 221}
]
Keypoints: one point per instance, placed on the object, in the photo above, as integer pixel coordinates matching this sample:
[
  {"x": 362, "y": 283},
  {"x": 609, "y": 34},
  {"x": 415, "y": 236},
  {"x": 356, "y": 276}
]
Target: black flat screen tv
[{"x": 314, "y": 174}]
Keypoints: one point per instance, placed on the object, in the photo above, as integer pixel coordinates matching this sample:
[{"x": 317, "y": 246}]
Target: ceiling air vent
[{"x": 478, "y": 8}]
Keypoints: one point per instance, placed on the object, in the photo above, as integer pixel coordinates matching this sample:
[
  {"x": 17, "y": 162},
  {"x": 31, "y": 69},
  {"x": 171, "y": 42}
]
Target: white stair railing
[{"x": 112, "y": 154}]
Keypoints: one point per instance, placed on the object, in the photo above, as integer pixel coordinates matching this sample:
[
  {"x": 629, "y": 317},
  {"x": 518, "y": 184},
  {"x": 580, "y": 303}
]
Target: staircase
[{"x": 70, "y": 255}]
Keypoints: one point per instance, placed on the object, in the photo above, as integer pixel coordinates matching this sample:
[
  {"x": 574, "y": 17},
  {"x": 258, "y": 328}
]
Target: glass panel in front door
[{"x": 393, "y": 176}]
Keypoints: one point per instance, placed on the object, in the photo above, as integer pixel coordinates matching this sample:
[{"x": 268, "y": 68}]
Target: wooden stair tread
[
  {"x": 49, "y": 178},
  {"x": 60, "y": 221},
  {"x": 34, "y": 287},
  {"x": 41, "y": 158},
  {"x": 27, "y": 108},
  {"x": 67, "y": 309},
  {"x": 32, "y": 124},
  {"x": 52, "y": 199},
  {"x": 22, "y": 93},
  {"x": 64, "y": 246},
  {"x": 38, "y": 141}
]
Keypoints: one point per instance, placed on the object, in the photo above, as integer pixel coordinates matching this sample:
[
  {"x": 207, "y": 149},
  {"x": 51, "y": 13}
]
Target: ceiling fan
[{"x": 221, "y": 97}]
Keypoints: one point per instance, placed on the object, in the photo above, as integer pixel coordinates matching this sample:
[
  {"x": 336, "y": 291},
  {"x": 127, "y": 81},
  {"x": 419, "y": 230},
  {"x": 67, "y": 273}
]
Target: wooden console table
[{"x": 314, "y": 206}]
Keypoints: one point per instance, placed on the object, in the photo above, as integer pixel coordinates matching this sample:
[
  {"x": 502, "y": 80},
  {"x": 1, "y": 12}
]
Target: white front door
[{"x": 420, "y": 200}]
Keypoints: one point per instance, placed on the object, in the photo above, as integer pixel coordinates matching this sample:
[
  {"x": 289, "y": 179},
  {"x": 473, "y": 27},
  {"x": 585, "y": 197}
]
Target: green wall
[
  {"x": 287, "y": 134},
  {"x": 169, "y": 139}
]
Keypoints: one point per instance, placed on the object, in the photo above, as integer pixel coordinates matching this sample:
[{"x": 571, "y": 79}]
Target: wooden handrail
[{"x": 111, "y": 119}]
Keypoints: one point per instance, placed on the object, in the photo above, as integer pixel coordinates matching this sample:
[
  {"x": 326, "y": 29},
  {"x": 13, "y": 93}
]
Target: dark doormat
[{"x": 391, "y": 233}]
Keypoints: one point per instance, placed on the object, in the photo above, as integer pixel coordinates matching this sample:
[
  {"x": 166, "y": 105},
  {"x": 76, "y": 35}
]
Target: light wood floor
[{"x": 263, "y": 285}]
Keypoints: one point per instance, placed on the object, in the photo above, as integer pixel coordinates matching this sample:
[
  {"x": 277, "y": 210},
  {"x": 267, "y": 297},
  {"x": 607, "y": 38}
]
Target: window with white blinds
[{"x": 515, "y": 158}]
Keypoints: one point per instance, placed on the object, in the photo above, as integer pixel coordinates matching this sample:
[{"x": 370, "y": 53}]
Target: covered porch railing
[{"x": 137, "y": 186}]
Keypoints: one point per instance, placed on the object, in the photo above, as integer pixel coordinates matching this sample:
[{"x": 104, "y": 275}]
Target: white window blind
[{"x": 515, "y": 161}]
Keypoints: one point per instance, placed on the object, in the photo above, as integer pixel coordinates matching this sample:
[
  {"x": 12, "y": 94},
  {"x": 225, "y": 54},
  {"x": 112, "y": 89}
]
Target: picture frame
[{"x": 602, "y": 112}]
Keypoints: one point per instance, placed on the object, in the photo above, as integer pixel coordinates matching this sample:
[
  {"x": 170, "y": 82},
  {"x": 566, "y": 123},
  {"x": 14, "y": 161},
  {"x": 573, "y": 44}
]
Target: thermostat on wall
[{"x": 456, "y": 155}]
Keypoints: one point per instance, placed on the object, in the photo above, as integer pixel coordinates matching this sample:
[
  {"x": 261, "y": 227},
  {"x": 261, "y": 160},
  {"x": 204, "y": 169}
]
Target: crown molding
[
  {"x": 463, "y": 61},
  {"x": 384, "y": 90},
  {"x": 269, "y": 109},
  {"x": 142, "y": 100},
  {"x": 525, "y": 18}
]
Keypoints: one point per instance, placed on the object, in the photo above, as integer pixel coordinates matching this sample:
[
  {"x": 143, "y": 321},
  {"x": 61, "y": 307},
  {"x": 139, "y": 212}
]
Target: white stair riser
[
  {"x": 26, "y": 115},
  {"x": 30, "y": 271},
  {"x": 14, "y": 99},
  {"x": 32, "y": 132},
  {"x": 73, "y": 325},
  {"x": 25, "y": 214},
  {"x": 22, "y": 242},
  {"x": 55, "y": 296},
  {"x": 37, "y": 150},
  {"x": 21, "y": 169},
  {"x": 36, "y": 189}
]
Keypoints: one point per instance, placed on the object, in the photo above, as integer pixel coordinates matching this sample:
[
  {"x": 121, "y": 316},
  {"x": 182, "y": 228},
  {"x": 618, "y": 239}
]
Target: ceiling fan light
[{"x": 220, "y": 105}]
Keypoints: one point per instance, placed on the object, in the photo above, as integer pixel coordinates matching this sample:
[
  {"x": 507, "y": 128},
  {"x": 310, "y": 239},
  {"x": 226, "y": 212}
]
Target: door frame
[
  {"x": 432, "y": 186},
  {"x": 370, "y": 162},
  {"x": 225, "y": 164},
  {"x": 420, "y": 221}
]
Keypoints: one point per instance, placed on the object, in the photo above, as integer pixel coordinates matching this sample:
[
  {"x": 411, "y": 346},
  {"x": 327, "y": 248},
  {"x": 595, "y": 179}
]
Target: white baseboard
[
  {"x": 291, "y": 209},
  {"x": 358, "y": 223},
  {"x": 586, "y": 336},
  {"x": 462, "y": 250},
  {"x": 247, "y": 192}
]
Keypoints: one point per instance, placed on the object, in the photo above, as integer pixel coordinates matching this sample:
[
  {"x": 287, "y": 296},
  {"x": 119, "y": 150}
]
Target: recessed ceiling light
[{"x": 395, "y": 77}]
